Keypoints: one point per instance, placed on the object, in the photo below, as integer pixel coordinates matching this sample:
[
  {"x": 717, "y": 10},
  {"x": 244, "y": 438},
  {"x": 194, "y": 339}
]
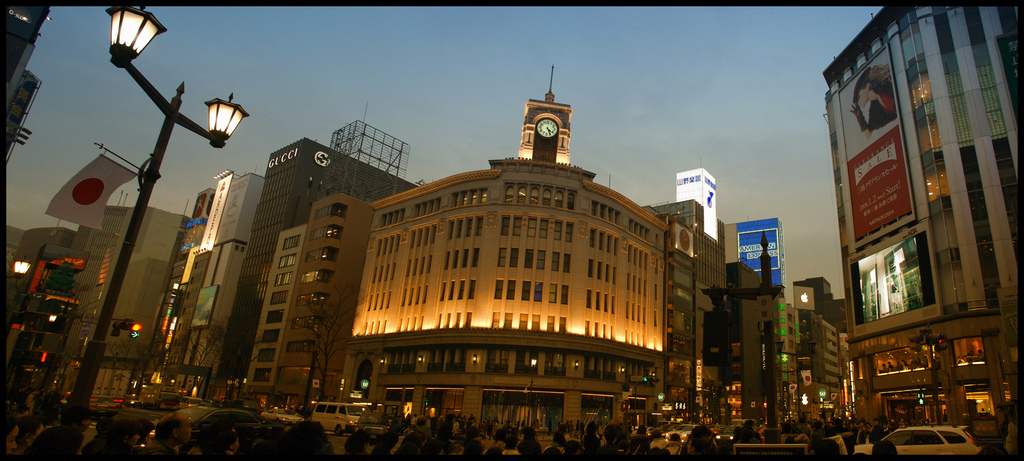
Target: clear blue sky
[{"x": 737, "y": 91}]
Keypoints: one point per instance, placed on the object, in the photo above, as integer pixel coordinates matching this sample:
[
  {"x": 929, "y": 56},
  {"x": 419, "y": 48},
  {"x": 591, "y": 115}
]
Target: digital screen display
[{"x": 895, "y": 280}]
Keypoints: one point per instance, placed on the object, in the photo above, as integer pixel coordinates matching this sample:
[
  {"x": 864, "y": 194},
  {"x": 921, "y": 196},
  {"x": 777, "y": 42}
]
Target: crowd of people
[{"x": 418, "y": 435}]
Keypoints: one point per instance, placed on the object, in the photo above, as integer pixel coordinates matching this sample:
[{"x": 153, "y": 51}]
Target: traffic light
[
  {"x": 941, "y": 343},
  {"x": 623, "y": 407},
  {"x": 916, "y": 341},
  {"x": 127, "y": 325}
]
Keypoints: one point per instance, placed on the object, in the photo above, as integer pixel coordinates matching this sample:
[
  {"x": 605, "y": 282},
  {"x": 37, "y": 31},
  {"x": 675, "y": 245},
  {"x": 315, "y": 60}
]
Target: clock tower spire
[{"x": 546, "y": 129}]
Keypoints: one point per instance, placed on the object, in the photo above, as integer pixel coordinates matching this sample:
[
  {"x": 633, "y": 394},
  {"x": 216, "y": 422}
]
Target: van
[
  {"x": 192, "y": 402},
  {"x": 337, "y": 417}
]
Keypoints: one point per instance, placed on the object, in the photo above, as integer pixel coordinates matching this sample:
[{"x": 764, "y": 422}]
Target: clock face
[
  {"x": 547, "y": 128},
  {"x": 322, "y": 158}
]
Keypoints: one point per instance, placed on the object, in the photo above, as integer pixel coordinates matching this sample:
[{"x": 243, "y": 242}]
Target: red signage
[{"x": 878, "y": 184}]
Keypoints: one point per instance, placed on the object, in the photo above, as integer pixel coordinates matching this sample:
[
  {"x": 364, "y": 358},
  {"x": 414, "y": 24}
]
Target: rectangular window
[
  {"x": 565, "y": 263},
  {"x": 279, "y": 297},
  {"x": 275, "y": 316},
  {"x": 510, "y": 293},
  {"x": 565, "y": 294},
  {"x": 553, "y": 294},
  {"x": 525, "y": 295},
  {"x": 528, "y": 258},
  {"x": 265, "y": 355},
  {"x": 517, "y": 227},
  {"x": 513, "y": 258},
  {"x": 290, "y": 242},
  {"x": 282, "y": 279},
  {"x": 543, "y": 229},
  {"x": 270, "y": 336},
  {"x": 499, "y": 288},
  {"x": 286, "y": 260},
  {"x": 568, "y": 232},
  {"x": 508, "y": 320},
  {"x": 261, "y": 375},
  {"x": 505, "y": 223},
  {"x": 531, "y": 229},
  {"x": 524, "y": 321},
  {"x": 541, "y": 254},
  {"x": 538, "y": 291},
  {"x": 472, "y": 292},
  {"x": 554, "y": 261},
  {"x": 495, "y": 323},
  {"x": 501, "y": 256}
]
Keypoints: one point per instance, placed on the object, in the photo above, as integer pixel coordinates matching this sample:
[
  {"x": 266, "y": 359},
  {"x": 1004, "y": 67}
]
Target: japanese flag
[
  {"x": 806, "y": 375},
  {"x": 83, "y": 198}
]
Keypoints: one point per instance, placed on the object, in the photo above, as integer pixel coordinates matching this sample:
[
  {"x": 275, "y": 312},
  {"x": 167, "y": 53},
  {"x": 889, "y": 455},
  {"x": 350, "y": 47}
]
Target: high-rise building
[
  {"x": 297, "y": 176},
  {"x": 922, "y": 117},
  {"x": 523, "y": 292},
  {"x": 291, "y": 185}
]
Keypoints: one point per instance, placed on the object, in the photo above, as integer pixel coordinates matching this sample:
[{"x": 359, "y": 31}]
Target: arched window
[
  {"x": 571, "y": 201},
  {"x": 546, "y": 197},
  {"x": 558, "y": 199},
  {"x": 522, "y": 195},
  {"x": 534, "y": 196},
  {"x": 509, "y": 193}
]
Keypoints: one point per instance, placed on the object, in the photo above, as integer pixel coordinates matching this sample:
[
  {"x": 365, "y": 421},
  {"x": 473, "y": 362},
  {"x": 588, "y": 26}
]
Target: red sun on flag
[{"x": 88, "y": 191}]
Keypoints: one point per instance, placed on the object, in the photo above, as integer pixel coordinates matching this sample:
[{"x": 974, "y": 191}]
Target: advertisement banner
[
  {"x": 879, "y": 189},
  {"x": 204, "y": 306}
]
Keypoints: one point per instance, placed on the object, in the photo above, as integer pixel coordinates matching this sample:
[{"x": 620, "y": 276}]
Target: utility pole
[{"x": 765, "y": 294}]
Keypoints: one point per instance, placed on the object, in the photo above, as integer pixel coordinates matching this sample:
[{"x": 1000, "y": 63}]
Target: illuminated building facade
[
  {"x": 922, "y": 117},
  {"x": 525, "y": 292}
]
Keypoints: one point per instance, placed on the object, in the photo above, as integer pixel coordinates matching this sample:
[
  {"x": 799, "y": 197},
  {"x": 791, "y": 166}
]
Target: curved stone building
[{"x": 523, "y": 292}]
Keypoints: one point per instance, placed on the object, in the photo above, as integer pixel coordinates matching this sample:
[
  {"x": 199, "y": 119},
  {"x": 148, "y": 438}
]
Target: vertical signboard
[
  {"x": 700, "y": 186},
  {"x": 216, "y": 213},
  {"x": 879, "y": 189}
]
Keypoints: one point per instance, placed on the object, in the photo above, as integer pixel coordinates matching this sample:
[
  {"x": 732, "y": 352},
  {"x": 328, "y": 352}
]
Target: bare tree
[{"x": 329, "y": 326}]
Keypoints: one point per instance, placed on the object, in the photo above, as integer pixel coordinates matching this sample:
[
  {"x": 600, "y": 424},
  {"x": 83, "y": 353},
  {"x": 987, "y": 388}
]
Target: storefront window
[
  {"x": 968, "y": 351},
  {"x": 900, "y": 361}
]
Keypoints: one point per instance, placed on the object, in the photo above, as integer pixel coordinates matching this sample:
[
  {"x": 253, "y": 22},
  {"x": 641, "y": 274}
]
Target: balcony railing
[
  {"x": 524, "y": 369},
  {"x": 496, "y": 368},
  {"x": 554, "y": 371},
  {"x": 455, "y": 366}
]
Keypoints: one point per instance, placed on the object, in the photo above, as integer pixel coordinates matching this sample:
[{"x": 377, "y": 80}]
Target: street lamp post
[{"x": 131, "y": 31}]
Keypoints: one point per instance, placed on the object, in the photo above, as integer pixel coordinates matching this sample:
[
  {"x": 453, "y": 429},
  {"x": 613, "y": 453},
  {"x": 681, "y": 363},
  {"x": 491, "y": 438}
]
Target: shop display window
[
  {"x": 969, "y": 351},
  {"x": 900, "y": 361}
]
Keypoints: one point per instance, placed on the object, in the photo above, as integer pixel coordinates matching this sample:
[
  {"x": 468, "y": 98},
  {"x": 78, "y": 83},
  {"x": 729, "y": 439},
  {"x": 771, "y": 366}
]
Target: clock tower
[{"x": 546, "y": 130}]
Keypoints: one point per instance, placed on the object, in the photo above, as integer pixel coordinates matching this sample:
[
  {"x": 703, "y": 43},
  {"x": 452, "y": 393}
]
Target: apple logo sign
[{"x": 803, "y": 297}]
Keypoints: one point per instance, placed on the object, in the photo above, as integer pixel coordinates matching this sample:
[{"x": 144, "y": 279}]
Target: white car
[
  {"x": 682, "y": 429},
  {"x": 282, "y": 414},
  {"x": 927, "y": 440}
]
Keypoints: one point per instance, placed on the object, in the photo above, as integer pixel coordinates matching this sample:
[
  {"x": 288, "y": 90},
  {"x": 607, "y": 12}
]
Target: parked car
[
  {"x": 283, "y": 415},
  {"x": 104, "y": 405},
  {"x": 373, "y": 423},
  {"x": 927, "y": 440},
  {"x": 249, "y": 425}
]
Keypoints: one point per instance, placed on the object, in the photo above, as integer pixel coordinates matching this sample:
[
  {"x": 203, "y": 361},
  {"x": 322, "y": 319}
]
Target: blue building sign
[{"x": 748, "y": 236}]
